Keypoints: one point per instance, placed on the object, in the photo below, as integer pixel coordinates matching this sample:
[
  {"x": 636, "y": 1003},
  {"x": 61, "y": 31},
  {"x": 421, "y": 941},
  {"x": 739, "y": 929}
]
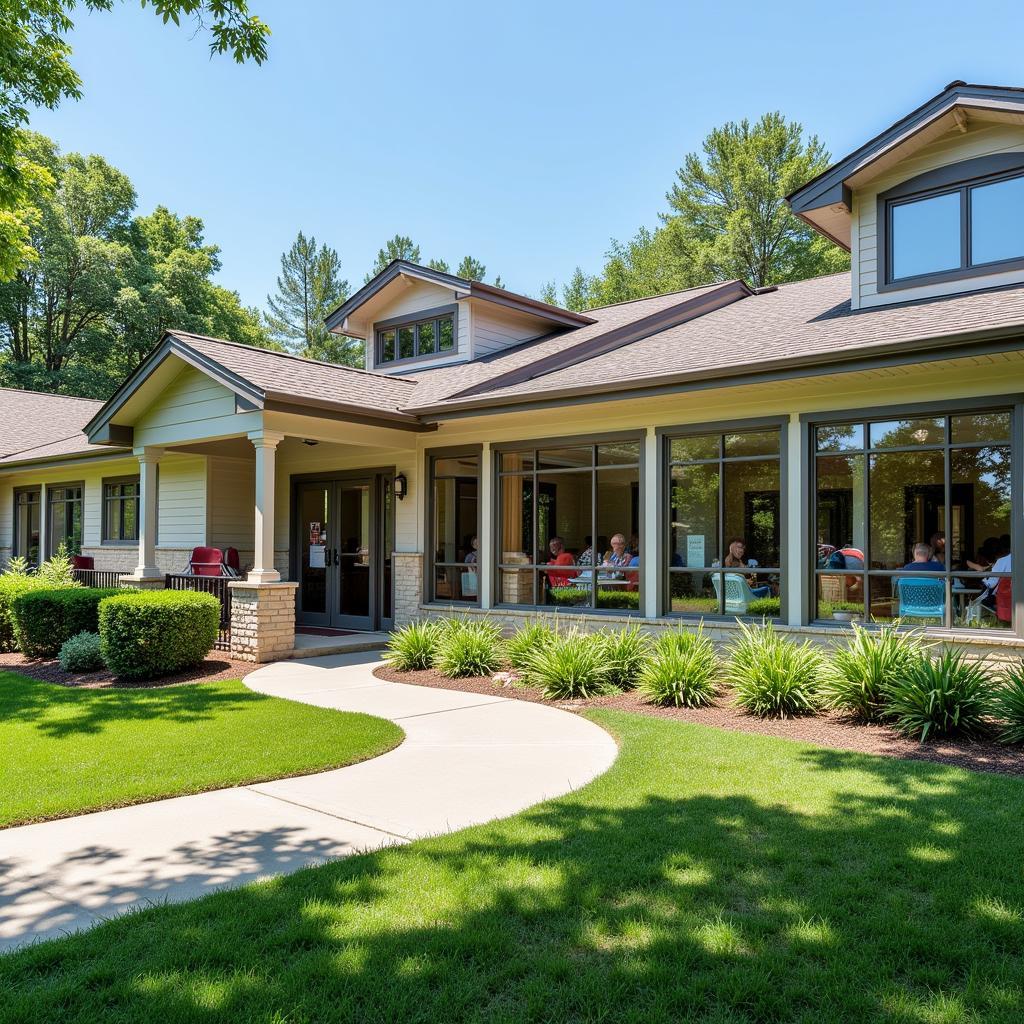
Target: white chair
[{"x": 738, "y": 594}]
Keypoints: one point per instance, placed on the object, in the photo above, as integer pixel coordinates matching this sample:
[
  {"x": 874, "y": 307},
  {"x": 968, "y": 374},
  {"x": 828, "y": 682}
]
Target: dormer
[
  {"x": 414, "y": 318},
  {"x": 934, "y": 205}
]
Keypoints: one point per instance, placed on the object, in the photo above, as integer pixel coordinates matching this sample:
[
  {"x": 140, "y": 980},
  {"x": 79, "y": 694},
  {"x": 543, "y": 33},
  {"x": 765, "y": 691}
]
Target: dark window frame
[
  {"x": 1014, "y": 404},
  {"x": 572, "y": 441},
  {"x": 415, "y": 321},
  {"x": 45, "y": 542},
  {"x": 721, "y": 428},
  {"x": 430, "y": 565},
  {"x": 959, "y": 178},
  {"x": 118, "y": 481},
  {"x": 37, "y": 490}
]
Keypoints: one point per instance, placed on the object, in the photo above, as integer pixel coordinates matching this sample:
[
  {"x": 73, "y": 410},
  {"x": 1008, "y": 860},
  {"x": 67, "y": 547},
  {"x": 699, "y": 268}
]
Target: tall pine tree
[{"x": 308, "y": 288}]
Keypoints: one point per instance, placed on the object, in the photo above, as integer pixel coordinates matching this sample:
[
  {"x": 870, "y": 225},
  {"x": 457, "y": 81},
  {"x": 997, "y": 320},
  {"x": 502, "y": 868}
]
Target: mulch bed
[
  {"x": 826, "y": 730},
  {"x": 213, "y": 669}
]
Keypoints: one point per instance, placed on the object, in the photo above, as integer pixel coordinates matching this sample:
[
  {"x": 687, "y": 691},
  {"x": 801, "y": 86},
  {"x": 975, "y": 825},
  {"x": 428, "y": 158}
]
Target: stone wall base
[
  {"x": 407, "y": 573},
  {"x": 262, "y": 620}
]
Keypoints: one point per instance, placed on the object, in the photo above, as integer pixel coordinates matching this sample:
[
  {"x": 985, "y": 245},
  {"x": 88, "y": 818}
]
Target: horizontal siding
[
  {"x": 182, "y": 502},
  {"x": 190, "y": 397},
  {"x": 494, "y": 331},
  {"x": 983, "y": 140},
  {"x": 232, "y": 498}
]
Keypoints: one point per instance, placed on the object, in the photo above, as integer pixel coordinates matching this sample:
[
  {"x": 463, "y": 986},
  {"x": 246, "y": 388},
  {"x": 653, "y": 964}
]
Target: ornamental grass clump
[
  {"x": 413, "y": 647},
  {"x": 1008, "y": 704},
  {"x": 944, "y": 696},
  {"x": 625, "y": 653},
  {"x": 519, "y": 647},
  {"x": 682, "y": 670},
  {"x": 863, "y": 669},
  {"x": 571, "y": 667},
  {"x": 468, "y": 648},
  {"x": 773, "y": 677}
]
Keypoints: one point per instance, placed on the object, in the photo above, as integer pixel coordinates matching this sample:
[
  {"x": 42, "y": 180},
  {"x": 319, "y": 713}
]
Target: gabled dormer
[
  {"x": 934, "y": 205},
  {"x": 414, "y": 318}
]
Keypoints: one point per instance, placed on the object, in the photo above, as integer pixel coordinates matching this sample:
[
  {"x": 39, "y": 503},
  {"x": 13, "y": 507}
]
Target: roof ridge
[
  {"x": 663, "y": 295},
  {"x": 285, "y": 355},
  {"x": 50, "y": 394}
]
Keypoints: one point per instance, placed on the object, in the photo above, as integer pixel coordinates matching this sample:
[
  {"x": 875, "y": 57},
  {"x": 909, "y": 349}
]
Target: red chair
[
  {"x": 206, "y": 562},
  {"x": 1004, "y": 599},
  {"x": 83, "y": 562},
  {"x": 232, "y": 562}
]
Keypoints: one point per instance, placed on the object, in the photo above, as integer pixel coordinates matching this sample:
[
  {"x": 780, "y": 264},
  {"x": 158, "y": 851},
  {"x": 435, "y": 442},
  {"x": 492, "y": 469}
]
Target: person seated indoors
[
  {"x": 737, "y": 559},
  {"x": 473, "y": 554},
  {"x": 924, "y": 560},
  {"x": 619, "y": 555},
  {"x": 559, "y": 556},
  {"x": 986, "y": 557},
  {"x": 587, "y": 554},
  {"x": 1001, "y": 564},
  {"x": 938, "y": 546}
]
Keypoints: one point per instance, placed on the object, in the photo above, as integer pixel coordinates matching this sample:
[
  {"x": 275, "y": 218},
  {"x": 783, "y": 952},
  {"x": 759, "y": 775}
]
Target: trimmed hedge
[
  {"x": 45, "y": 619},
  {"x": 145, "y": 634},
  {"x": 12, "y": 586}
]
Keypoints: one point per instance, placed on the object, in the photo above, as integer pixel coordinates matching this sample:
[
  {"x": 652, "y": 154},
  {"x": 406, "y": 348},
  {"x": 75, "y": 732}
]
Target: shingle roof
[
  {"x": 806, "y": 321},
  {"x": 284, "y": 375},
  {"x": 36, "y": 425},
  {"x": 435, "y": 385}
]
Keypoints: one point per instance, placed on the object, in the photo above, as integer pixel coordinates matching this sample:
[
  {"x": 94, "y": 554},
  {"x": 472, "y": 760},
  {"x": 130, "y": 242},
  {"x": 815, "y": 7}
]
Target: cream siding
[
  {"x": 495, "y": 329},
  {"x": 983, "y": 140},
  {"x": 231, "y": 486}
]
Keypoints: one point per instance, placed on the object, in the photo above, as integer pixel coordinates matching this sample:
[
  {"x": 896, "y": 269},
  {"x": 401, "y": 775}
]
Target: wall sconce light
[{"x": 401, "y": 487}]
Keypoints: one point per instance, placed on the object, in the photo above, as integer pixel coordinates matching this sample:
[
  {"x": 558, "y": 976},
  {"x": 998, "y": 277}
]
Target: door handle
[{"x": 337, "y": 557}]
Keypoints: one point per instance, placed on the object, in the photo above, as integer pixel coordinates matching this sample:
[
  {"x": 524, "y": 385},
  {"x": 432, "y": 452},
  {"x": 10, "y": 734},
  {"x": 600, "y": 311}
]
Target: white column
[
  {"x": 649, "y": 546},
  {"x": 265, "y": 442},
  {"x": 485, "y": 558},
  {"x": 795, "y": 580},
  {"x": 149, "y": 460},
  {"x": 44, "y": 525}
]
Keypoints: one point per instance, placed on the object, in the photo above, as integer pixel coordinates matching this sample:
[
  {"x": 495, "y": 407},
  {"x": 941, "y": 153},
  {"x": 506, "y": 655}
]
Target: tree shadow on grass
[
  {"x": 60, "y": 712},
  {"x": 825, "y": 887}
]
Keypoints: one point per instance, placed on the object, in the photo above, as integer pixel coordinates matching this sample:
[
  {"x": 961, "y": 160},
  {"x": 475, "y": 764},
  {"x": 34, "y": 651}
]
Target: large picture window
[
  {"x": 724, "y": 523},
  {"x": 913, "y": 519},
  {"x": 121, "y": 511},
  {"x": 64, "y": 518},
  {"x": 957, "y": 221},
  {"x": 454, "y": 523},
  {"x": 27, "y": 505},
  {"x": 569, "y": 525}
]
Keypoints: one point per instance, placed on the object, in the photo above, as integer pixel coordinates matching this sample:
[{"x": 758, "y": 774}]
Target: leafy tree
[
  {"x": 439, "y": 265},
  {"x": 309, "y": 287},
  {"x": 579, "y": 292},
  {"x": 400, "y": 247},
  {"x": 471, "y": 269},
  {"x": 106, "y": 283},
  {"x": 549, "y": 293},
  {"x": 35, "y": 69},
  {"x": 728, "y": 213}
]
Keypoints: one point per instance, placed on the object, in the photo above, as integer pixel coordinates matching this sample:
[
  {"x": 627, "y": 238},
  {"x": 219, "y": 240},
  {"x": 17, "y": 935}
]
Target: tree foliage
[
  {"x": 105, "y": 282},
  {"x": 35, "y": 69},
  {"x": 309, "y": 287},
  {"x": 401, "y": 247}
]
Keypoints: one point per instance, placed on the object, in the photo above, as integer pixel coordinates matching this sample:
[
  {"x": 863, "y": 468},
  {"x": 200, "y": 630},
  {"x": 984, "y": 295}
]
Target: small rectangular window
[
  {"x": 840, "y": 437},
  {"x": 908, "y": 433},
  {"x": 926, "y": 236},
  {"x": 387, "y": 346},
  {"x": 406, "y": 342},
  {"x": 26, "y": 524},
  {"x": 121, "y": 511},
  {"x": 426, "y": 338},
  {"x": 446, "y": 332},
  {"x": 64, "y": 518}
]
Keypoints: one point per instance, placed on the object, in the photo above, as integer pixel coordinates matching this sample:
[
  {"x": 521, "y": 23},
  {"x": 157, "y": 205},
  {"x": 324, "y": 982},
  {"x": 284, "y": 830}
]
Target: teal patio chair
[
  {"x": 921, "y": 597},
  {"x": 738, "y": 594}
]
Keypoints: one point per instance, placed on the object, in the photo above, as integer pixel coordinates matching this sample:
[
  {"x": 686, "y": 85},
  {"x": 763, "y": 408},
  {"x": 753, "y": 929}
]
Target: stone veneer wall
[
  {"x": 262, "y": 620},
  {"x": 125, "y": 557},
  {"x": 407, "y": 569}
]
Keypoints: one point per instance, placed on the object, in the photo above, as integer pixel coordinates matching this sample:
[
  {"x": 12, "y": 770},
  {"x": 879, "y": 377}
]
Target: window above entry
[
  {"x": 961, "y": 221},
  {"x": 431, "y": 332}
]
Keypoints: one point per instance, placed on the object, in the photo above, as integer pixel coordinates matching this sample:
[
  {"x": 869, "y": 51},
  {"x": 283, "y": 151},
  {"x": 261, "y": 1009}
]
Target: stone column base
[
  {"x": 262, "y": 620},
  {"x": 407, "y": 573},
  {"x": 141, "y": 582}
]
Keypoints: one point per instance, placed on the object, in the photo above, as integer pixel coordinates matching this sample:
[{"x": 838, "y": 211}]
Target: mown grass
[
  {"x": 67, "y": 751},
  {"x": 708, "y": 876}
]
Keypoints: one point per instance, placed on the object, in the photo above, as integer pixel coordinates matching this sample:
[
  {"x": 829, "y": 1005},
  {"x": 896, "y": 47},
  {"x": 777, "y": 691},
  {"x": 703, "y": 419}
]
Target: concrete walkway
[{"x": 467, "y": 758}]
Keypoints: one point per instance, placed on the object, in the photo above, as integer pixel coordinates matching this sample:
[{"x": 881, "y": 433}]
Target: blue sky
[{"x": 525, "y": 134}]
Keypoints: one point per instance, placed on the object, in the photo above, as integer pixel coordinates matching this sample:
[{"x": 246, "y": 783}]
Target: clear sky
[{"x": 526, "y": 134}]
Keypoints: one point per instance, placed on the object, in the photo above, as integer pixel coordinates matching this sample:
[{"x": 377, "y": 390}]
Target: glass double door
[{"x": 345, "y": 539}]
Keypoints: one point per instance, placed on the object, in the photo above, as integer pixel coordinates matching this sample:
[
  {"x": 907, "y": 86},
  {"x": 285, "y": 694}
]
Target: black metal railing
[
  {"x": 216, "y": 585},
  {"x": 103, "y": 578}
]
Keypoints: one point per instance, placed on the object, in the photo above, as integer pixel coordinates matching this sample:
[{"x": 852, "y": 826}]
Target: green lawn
[
  {"x": 709, "y": 876},
  {"x": 65, "y": 751}
]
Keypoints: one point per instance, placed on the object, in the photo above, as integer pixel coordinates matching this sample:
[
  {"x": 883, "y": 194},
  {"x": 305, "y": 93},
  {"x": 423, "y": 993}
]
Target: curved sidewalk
[{"x": 467, "y": 758}]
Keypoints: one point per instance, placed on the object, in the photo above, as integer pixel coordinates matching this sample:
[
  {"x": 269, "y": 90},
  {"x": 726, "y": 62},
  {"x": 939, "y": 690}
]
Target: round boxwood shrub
[
  {"x": 145, "y": 634},
  {"x": 81, "y": 653},
  {"x": 45, "y": 619}
]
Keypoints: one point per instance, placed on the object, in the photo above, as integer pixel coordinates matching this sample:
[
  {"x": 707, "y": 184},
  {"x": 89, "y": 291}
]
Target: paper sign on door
[
  {"x": 314, "y": 533},
  {"x": 317, "y": 559}
]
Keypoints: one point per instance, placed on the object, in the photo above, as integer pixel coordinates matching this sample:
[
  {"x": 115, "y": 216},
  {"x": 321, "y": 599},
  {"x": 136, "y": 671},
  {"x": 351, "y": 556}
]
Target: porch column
[
  {"x": 650, "y": 546},
  {"x": 265, "y": 442},
  {"x": 488, "y": 541},
  {"x": 149, "y": 460}
]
